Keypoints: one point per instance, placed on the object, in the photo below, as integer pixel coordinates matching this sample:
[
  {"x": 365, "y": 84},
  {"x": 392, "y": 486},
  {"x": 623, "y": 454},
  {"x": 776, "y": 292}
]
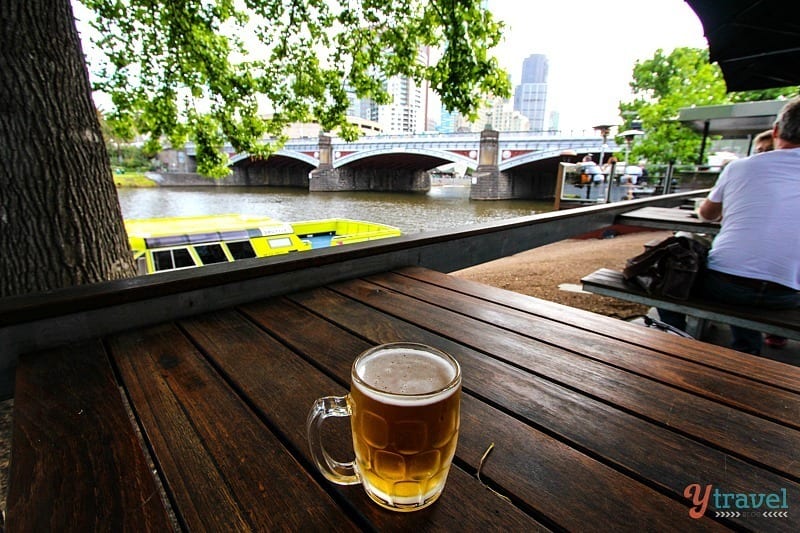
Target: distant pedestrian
[
  {"x": 593, "y": 173},
  {"x": 763, "y": 142}
]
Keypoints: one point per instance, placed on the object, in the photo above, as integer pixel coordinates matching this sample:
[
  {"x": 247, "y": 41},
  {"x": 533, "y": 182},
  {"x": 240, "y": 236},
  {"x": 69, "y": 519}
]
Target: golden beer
[
  {"x": 405, "y": 422},
  {"x": 404, "y": 405}
]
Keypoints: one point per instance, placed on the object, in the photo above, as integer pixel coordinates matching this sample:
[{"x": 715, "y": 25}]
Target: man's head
[
  {"x": 787, "y": 128},
  {"x": 763, "y": 142}
]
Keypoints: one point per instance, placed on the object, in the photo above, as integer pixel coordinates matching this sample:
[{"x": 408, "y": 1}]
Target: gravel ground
[{"x": 554, "y": 272}]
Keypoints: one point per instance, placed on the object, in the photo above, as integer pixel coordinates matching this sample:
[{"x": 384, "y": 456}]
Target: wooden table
[
  {"x": 597, "y": 424},
  {"x": 671, "y": 218}
]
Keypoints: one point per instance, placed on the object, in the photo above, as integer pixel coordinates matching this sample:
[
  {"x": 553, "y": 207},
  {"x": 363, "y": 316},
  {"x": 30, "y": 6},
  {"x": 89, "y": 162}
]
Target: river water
[{"x": 444, "y": 207}]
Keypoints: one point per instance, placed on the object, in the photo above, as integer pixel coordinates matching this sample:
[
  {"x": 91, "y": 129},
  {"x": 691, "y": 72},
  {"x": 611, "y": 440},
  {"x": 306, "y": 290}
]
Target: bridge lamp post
[
  {"x": 629, "y": 136},
  {"x": 605, "y": 130}
]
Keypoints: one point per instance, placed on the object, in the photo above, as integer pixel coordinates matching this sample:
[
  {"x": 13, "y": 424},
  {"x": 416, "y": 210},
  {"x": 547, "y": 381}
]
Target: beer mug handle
[{"x": 333, "y": 470}]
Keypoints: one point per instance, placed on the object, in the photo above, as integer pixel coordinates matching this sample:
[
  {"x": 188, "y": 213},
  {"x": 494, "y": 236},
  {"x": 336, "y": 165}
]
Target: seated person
[
  {"x": 755, "y": 259},
  {"x": 633, "y": 174},
  {"x": 761, "y": 144}
]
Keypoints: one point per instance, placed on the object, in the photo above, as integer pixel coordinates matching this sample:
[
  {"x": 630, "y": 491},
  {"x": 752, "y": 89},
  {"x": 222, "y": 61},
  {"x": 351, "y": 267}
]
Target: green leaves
[
  {"x": 235, "y": 71},
  {"x": 666, "y": 83}
]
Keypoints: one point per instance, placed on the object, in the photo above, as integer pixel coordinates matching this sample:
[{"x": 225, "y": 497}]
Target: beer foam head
[{"x": 405, "y": 370}]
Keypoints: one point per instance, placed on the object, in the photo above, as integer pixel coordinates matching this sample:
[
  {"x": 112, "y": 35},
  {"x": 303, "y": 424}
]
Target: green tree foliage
[
  {"x": 664, "y": 84},
  {"x": 211, "y": 70},
  {"x": 661, "y": 86},
  {"x": 765, "y": 94}
]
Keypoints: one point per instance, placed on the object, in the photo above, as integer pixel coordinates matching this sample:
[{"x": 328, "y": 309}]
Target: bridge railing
[{"x": 471, "y": 138}]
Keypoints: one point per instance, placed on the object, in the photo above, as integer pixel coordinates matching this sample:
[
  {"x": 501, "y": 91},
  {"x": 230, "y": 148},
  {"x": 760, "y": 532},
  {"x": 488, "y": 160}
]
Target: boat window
[
  {"x": 171, "y": 259},
  {"x": 182, "y": 258},
  {"x": 210, "y": 253},
  {"x": 241, "y": 249},
  {"x": 282, "y": 242}
]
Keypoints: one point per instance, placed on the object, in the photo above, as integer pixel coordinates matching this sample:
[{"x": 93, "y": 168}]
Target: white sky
[{"x": 591, "y": 47}]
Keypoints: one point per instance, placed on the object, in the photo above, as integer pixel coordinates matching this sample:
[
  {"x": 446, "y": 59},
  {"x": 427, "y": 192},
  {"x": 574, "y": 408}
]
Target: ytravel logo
[{"x": 736, "y": 504}]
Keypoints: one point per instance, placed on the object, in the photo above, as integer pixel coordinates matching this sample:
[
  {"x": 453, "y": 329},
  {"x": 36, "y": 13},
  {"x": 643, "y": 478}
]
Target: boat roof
[{"x": 161, "y": 227}]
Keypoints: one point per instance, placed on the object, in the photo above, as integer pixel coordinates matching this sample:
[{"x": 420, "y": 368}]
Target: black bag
[{"x": 669, "y": 268}]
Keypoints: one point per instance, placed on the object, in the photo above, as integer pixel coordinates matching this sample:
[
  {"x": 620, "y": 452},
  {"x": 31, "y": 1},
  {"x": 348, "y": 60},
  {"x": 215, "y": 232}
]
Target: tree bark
[{"x": 60, "y": 220}]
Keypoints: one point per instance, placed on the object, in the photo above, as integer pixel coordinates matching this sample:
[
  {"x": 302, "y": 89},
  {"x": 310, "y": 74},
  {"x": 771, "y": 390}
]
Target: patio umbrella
[{"x": 755, "y": 42}]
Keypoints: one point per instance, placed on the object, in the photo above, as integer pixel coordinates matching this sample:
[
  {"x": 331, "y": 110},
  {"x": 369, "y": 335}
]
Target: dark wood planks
[
  {"x": 592, "y": 428},
  {"x": 225, "y": 470},
  {"x": 544, "y": 474},
  {"x": 579, "y": 418},
  {"x": 567, "y": 356},
  {"x": 283, "y": 386},
  {"x": 771, "y": 373},
  {"x": 77, "y": 463},
  {"x": 593, "y": 353}
]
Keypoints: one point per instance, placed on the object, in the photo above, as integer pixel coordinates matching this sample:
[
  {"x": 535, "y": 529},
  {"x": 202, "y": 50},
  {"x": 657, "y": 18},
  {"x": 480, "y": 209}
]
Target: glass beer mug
[{"x": 404, "y": 406}]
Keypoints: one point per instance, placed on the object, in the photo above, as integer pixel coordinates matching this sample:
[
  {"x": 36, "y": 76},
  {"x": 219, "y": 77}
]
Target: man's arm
[{"x": 710, "y": 211}]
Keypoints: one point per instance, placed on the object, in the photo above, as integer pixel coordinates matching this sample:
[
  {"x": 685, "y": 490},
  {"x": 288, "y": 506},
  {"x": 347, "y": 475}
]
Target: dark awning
[
  {"x": 746, "y": 119},
  {"x": 732, "y": 120},
  {"x": 755, "y": 42}
]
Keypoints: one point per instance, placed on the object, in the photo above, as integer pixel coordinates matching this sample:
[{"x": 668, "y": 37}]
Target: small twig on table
[{"x": 480, "y": 467}]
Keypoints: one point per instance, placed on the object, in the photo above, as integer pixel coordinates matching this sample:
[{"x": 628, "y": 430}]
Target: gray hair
[{"x": 789, "y": 121}]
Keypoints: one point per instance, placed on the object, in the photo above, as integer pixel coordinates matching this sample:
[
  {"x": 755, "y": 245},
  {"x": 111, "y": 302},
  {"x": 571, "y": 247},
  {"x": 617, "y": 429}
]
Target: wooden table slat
[
  {"x": 215, "y": 454},
  {"x": 77, "y": 463},
  {"x": 766, "y": 371},
  {"x": 671, "y": 218},
  {"x": 736, "y": 391}
]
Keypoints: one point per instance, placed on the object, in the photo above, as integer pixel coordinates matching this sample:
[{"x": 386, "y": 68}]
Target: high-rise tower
[{"x": 530, "y": 96}]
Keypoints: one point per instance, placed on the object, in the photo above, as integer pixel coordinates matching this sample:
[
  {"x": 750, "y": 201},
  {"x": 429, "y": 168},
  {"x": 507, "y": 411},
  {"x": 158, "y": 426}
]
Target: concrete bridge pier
[
  {"x": 489, "y": 183},
  {"x": 325, "y": 177}
]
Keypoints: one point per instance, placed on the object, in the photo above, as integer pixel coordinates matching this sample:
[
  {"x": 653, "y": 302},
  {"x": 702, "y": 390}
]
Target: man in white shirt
[{"x": 755, "y": 258}]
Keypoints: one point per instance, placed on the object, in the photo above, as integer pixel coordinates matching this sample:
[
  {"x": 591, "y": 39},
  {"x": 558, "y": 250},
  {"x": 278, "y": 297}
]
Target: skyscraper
[
  {"x": 406, "y": 113},
  {"x": 530, "y": 96}
]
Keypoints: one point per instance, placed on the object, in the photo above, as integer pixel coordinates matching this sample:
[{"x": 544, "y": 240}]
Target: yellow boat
[{"x": 163, "y": 244}]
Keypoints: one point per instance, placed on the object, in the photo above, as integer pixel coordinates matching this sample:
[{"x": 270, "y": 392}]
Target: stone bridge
[{"x": 502, "y": 164}]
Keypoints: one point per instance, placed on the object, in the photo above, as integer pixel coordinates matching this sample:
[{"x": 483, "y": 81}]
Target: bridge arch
[
  {"x": 528, "y": 158},
  {"x": 444, "y": 156},
  {"x": 283, "y": 152}
]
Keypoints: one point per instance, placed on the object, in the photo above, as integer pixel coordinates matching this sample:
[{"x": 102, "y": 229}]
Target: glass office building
[{"x": 530, "y": 96}]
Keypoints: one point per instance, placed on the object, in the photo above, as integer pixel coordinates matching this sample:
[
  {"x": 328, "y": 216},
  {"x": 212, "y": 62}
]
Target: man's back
[{"x": 760, "y": 236}]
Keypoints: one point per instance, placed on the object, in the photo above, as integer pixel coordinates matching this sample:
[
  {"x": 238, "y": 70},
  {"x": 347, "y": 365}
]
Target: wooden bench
[{"x": 784, "y": 322}]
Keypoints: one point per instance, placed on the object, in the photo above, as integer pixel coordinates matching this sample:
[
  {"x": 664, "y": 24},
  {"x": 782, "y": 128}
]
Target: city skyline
[{"x": 591, "y": 48}]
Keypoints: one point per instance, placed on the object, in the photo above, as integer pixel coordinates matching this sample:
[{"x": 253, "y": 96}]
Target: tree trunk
[{"x": 60, "y": 220}]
